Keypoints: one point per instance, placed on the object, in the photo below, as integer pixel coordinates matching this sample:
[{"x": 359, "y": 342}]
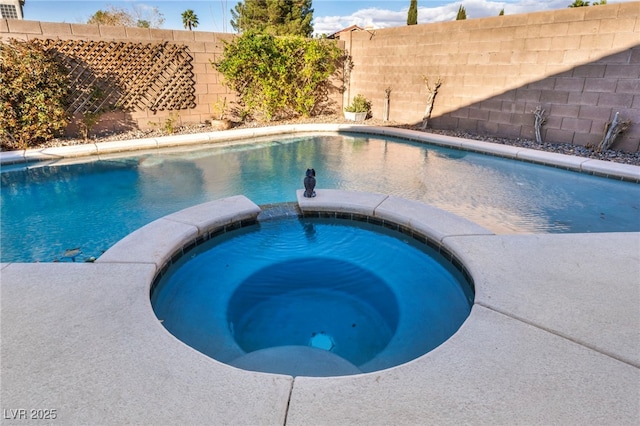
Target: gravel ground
[{"x": 569, "y": 149}]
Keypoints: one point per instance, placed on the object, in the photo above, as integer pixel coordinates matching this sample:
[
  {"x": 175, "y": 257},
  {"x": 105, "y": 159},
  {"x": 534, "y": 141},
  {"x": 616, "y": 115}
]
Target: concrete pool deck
[{"x": 553, "y": 336}]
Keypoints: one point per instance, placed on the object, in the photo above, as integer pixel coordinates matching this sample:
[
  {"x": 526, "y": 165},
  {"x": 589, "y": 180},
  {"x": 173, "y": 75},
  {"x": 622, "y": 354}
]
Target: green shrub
[
  {"x": 33, "y": 89},
  {"x": 279, "y": 77},
  {"x": 359, "y": 104}
]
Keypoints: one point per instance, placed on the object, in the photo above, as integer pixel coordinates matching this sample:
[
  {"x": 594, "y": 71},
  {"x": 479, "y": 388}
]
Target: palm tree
[{"x": 189, "y": 19}]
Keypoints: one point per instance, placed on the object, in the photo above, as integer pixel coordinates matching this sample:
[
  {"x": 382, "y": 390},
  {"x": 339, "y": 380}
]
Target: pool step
[{"x": 296, "y": 361}]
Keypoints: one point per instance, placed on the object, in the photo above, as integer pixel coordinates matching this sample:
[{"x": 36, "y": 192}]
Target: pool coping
[
  {"x": 579, "y": 164},
  {"x": 552, "y": 337}
]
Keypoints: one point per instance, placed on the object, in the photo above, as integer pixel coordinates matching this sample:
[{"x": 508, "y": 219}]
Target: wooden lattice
[{"x": 129, "y": 76}]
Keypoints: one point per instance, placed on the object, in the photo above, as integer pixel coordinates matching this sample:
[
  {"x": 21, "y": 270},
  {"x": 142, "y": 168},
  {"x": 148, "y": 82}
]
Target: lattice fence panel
[{"x": 129, "y": 76}]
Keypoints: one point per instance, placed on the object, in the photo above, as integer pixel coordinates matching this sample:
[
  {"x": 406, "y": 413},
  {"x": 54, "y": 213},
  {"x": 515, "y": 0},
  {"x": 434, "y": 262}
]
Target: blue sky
[{"x": 329, "y": 15}]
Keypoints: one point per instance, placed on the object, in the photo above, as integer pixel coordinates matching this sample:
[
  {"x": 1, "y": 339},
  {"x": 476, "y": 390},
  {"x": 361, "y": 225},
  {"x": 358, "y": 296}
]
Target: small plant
[
  {"x": 387, "y": 99},
  {"x": 359, "y": 104},
  {"x": 432, "y": 90},
  {"x": 89, "y": 119},
  {"x": 611, "y": 131},
  {"x": 219, "y": 109},
  {"x": 540, "y": 119},
  {"x": 169, "y": 124}
]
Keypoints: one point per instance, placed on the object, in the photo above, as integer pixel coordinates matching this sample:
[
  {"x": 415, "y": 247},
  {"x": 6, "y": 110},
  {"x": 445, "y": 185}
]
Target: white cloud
[
  {"x": 385, "y": 18},
  {"x": 378, "y": 18}
]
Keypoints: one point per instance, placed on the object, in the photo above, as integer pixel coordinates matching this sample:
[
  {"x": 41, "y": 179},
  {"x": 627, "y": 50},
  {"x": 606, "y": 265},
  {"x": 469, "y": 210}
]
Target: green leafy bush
[
  {"x": 33, "y": 89},
  {"x": 279, "y": 77},
  {"x": 359, "y": 104}
]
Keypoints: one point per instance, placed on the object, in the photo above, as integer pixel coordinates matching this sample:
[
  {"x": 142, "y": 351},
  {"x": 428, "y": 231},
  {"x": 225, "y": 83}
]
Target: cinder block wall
[
  {"x": 203, "y": 47},
  {"x": 582, "y": 65}
]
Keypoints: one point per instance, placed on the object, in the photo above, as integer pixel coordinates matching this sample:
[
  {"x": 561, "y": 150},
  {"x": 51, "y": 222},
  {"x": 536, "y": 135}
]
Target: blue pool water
[
  {"x": 47, "y": 209},
  {"x": 334, "y": 297}
]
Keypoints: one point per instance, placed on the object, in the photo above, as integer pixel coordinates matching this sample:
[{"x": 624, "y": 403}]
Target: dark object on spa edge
[{"x": 310, "y": 183}]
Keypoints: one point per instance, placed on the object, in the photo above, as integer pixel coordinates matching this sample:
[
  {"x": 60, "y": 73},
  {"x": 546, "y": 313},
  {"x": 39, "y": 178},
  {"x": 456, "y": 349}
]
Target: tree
[
  {"x": 112, "y": 16},
  {"x": 189, "y": 19},
  {"x": 462, "y": 14},
  {"x": 275, "y": 17},
  {"x": 137, "y": 17},
  {"x": 579, "y": 3},
  {"x": 412, "y": 16},
  {"x": 147, "y": 17}
]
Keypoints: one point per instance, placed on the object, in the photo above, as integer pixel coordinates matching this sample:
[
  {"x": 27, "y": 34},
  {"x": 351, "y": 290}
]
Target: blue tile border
[{"x": 199, "y": 240}]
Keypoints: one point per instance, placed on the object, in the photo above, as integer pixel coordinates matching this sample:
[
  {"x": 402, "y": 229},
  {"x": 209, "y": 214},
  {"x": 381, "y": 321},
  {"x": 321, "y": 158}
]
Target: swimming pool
[
  {"x": 47, "y": 209},
  {"x": 313, "y": 296}
]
